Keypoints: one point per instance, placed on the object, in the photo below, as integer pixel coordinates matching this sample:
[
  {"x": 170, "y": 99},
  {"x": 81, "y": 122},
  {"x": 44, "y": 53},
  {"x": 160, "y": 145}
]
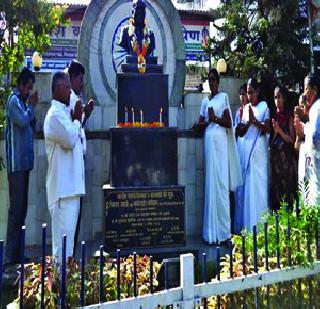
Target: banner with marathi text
[
  {"x": 196, "y": 33},
  {"x": 64, "y": 43}
]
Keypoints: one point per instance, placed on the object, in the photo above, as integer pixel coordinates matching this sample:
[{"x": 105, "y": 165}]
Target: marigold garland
[{"x": 141, "y": 54}]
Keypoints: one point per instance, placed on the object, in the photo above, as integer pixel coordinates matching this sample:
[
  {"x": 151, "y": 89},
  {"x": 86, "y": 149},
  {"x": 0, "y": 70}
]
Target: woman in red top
[{"x": 283, "y": 161}]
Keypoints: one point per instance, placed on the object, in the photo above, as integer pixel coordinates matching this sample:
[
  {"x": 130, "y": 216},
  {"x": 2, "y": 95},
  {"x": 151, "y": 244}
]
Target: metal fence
[{"x": 188, "y": 295}]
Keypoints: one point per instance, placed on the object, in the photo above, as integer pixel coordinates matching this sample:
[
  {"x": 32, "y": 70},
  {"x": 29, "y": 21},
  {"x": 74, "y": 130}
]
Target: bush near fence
[{"x": 288, "y": 238}]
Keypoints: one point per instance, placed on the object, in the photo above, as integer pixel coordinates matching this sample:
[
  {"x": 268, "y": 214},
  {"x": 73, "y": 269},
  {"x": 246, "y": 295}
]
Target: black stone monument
[
  {"x": 143, "y": 157},
  {"x": 144, "y": 204},
  {"x": 146, "y": 92}
]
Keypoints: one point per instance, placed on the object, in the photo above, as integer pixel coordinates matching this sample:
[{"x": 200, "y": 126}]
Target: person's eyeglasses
[
  {"x": 250, "y": 92},
  {"x": 243, "y": 93}
]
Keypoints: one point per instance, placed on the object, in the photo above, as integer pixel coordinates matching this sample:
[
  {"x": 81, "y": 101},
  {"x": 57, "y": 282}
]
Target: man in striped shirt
[{"x": 19, "y": 150}]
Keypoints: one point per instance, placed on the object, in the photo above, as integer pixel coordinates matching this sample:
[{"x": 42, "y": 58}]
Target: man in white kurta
[
  {"x": 65, "y": 177},
  {"x": 76, "y": 73}
]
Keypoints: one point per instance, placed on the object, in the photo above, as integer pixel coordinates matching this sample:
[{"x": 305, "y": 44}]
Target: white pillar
[{"x": 187, "y": 280}]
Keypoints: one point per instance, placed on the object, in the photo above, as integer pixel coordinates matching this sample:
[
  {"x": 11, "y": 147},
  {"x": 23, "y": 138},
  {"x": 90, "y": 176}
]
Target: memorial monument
[
  {"x": 138, "y": 41},
  {"x": 140, "y": 93},
  {"x": 144, "y": 206}
]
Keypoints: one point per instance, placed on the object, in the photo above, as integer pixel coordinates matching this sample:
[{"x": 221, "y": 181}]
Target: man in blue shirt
[{"x": 19, "y": 150}]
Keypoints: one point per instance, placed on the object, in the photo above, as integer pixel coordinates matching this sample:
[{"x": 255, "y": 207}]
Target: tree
[
  {"x": 25, "y": 24},
  {"x": 265, "y": 39}
]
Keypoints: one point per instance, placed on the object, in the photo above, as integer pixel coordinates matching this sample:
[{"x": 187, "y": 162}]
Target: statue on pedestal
[{"x": 136, "y": 38}]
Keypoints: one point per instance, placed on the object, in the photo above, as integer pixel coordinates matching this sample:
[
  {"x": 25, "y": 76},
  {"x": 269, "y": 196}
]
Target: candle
[
  {"x": 160, "y": 116},
  {"x": 126, "y": 115},
  {"x": 141, "y": 117},
  {"x": 132, "y": 115}
]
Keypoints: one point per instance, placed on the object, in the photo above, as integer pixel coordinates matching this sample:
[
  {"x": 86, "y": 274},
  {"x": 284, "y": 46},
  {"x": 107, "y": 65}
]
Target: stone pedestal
[
  {"x": 131, "y": 65},
  {"x": 143, "y": 157},
  {"x": 146, "y": 92},
  {"x": 144, "y": 204}
]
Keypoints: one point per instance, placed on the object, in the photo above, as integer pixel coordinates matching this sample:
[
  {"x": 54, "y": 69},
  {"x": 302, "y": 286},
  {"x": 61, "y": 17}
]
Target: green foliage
[
  {"x": 32, "y": 284},
  {"x": 302, "y": 247},
  {"x": 264, "y": 39},
  {"x": 28, "y": 25},
  {"x": 301, "y": 243}
]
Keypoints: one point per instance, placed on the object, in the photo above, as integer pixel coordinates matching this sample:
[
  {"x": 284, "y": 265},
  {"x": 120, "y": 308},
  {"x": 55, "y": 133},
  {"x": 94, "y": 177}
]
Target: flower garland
[{"x": 141, "y": 54}]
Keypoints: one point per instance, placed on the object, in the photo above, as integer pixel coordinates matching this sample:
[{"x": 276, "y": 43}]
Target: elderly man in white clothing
[{"x": 65, "y": 177}]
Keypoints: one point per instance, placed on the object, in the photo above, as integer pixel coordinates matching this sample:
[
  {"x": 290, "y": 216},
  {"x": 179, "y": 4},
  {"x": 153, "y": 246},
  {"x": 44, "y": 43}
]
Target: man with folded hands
[{"x": 65, "y": 177}]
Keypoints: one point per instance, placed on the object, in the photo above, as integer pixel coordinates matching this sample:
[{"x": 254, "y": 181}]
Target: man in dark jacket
[{"x": 19, "y": 150}]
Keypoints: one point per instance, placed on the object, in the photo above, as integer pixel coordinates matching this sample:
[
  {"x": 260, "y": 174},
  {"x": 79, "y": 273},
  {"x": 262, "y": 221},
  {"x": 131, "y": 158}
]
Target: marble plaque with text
[{"x": 144, "y": 217}]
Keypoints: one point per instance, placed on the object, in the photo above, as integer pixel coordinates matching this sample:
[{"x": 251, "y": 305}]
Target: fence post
[
  {"x": 187, "y": 280},
  {"x": 1, "y": 270}
]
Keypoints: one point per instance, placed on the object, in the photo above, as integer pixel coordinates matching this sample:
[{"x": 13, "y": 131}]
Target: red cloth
[{"x": 282, "y": 118}]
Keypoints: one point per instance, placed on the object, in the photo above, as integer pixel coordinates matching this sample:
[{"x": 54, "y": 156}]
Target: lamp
[
  {"x": 36, "y": 61},
  {"x": 221, "y": 66}
]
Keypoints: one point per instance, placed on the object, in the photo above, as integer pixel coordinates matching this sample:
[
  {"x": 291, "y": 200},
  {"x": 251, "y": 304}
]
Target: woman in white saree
[
  {"x": 254, "y": 159},
  {"x": 222, "y": 167},
  {"x": 311, "y": 132}
]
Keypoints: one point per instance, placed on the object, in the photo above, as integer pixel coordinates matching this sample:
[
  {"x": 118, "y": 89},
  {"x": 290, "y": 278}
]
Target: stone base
[
  {"x": 134, "y": 59},
  {"x": 150, "y": 68},
  {"x": 143, "y": 157},
  {"x": 145, "y": 92},
  {"x": 131, "y": 65}
]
